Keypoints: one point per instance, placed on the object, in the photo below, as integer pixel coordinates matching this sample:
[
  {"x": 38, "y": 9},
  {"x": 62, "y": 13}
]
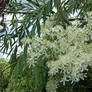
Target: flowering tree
[{"x": 56, "y": 48}]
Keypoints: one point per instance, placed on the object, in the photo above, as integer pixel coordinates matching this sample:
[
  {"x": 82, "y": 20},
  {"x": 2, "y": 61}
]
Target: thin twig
[
  {"x": 8, "y": 67},
  {"x": 72, "y": 87}
]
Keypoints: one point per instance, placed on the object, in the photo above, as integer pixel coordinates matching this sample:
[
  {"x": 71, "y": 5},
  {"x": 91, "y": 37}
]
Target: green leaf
[
  {"x": 32, "y": 33},
  {"x": 5, "y": 43},
  {"x": 20, "y": 65},
  {"x": 14, "y": 56},
  {"x": 38, "y": 26},
  {"x": 57, "y": 3}
]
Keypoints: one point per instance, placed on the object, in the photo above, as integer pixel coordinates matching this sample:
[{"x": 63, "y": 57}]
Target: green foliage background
[{"x": 49, "y": 38}]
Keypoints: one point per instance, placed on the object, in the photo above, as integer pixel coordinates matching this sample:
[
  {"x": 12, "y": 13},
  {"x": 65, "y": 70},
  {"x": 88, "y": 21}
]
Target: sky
[{"x": 3, "y": 55}]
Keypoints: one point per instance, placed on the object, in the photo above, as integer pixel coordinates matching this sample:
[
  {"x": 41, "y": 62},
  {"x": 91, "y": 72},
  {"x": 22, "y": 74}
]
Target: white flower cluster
[
  {"x": 25, "y": 40},
  {"x": 68, "y": 52}
]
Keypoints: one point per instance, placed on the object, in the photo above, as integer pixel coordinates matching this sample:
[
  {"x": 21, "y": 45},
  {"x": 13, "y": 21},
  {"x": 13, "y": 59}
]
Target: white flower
[{"x": 67, "y": 52}]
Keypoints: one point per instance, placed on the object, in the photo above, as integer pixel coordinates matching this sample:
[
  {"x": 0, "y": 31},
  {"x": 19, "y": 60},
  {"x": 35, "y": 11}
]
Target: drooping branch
[{"x": 35, "y": 13}]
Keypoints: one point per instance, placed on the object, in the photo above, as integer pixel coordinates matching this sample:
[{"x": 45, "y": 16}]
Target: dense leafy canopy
[{"x": 55, "y": 47}]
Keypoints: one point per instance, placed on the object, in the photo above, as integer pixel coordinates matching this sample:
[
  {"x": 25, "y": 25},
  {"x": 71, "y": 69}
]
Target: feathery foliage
[{"x": 55, "y": 47}]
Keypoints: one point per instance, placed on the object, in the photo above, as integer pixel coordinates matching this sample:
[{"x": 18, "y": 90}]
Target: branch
[
  {"x": 73, "y": 19},
  {"x": 18, "y": 12},
  {"x": 32, "y": 13}
]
